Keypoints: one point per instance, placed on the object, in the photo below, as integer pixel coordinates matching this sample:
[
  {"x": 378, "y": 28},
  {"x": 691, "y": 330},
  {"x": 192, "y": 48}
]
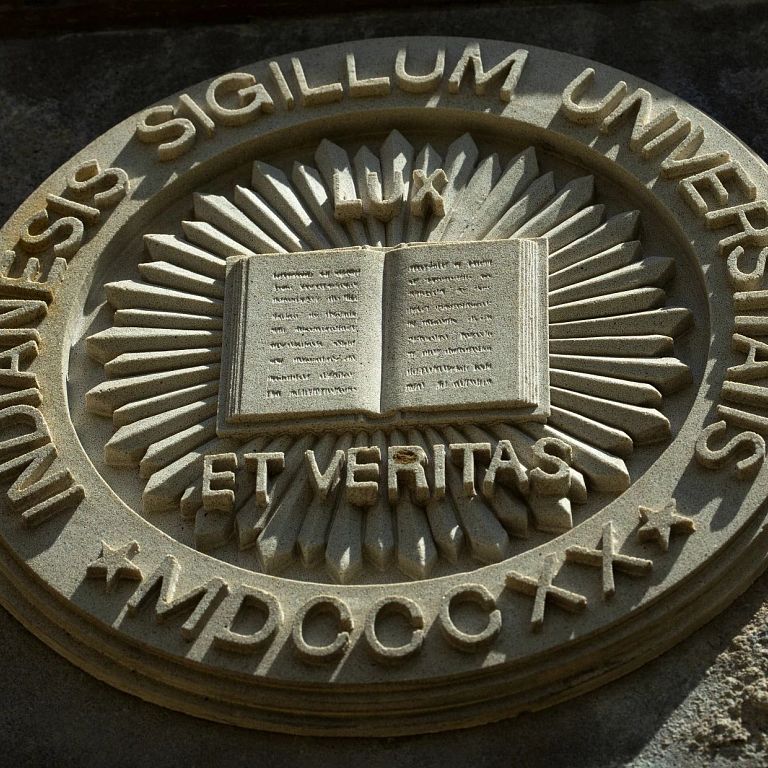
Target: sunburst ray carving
[{"x": 611, "y": 354}]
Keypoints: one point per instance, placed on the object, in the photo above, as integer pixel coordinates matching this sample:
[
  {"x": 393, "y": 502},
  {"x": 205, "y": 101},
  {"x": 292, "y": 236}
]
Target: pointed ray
[
  {"x": 488, "y": 541},
  {"x": 653, "y": 271},
  {"x": 752, "y": 325},
  {"x": 521, "y": 442},
  {"x": 23, "y": 337},
  {"x": 150, "y": 406},
  {"x": 251, "y": 520},
  {"x": 666, "y": 373},
  {"x": 344, "y": 546},
  {"x": 109, "y": 395},
  {"x": 108, "y": 344},
  {"x": 517, "y": 176},
  {"x": 478, "y": 188},
  {"x": 666, "y": 322},
  {"x": 333, "y": 162},
  {"x": 396, "y": 156},
  {"x": 212, "y": 530},
  {"x": 643, "y": 425},
  {"x": 257, "y": 209},
  {"x": 616, "y": 230},
  {"x": 273, "y": 184},
  {"x": 192, "y": 499},
  {"x": 632, "y": 392},
  {"x": 366, "y": 162},
  {"x": 144, "y": 318},
  {"x": 139, "y": 363},
  {"x": 614, "y": 258},
  {"x": 416, "y": 551},
  {"x": 511, "y": 511},
  {"x": 576, "y": 226},
  {"x": 533, "y": 200},
  {"x": 127, "y": 294},
  {"x": 170, "y": 249},
  {"x": 173, "y": 447},
  {"x": 277, "y": 542},
  {"x": 220, "y": 213},
  {"x": 553, "y": 514},
  {"x": 379, "y": 534},
  {"x": 314, "y": 529},
  {"x": 614, "y": 441},
  {"x": 312, "y": 536},
  {"x": 127, "y": 446},
  {"x": 170, "y": 276},
  {"x": 460, "y": 160},
  {"x": 310, "y": 185},
  {"x": 605, "y": 472},
  {"x": 21, "y": 313},
  {"x": 637, "y": 300},
  {"x": 446, "y": 531},
  {"x": 621, "y": 346},
  {"x": 428, "y": 161},
  {"x": 578, "y": 490},
  {"x": 210, "y": 238},
  {"x": 344, "y": 551},
  {"x": 164, "y": 489},
  {"x": 573, "y": 196}
]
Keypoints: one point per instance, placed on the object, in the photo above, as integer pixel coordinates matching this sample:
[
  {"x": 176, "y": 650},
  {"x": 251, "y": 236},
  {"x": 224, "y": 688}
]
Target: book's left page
[{"x": 304, "y": 334}]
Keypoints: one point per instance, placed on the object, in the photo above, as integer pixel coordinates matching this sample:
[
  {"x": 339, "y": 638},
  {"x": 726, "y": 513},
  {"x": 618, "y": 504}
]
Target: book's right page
[{"x": 465, "y": 326}]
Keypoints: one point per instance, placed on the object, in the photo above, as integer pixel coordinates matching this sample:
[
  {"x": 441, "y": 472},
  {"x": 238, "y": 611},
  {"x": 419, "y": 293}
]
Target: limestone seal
[{"x": 387, "y": 387}]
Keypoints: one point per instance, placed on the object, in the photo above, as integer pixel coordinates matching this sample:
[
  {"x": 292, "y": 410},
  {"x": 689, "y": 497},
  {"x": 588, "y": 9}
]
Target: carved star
[
  {"x": 115, "y": 564},
  {"x": 660, "y": 524}
]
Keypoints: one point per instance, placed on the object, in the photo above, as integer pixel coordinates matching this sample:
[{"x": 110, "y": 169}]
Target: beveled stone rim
[
  {"x": 42, "y": 622},
  {"x": 409, "y": 723}
]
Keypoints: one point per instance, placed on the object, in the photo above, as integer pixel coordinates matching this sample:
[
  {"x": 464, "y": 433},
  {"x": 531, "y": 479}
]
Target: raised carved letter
[
  {"x": 252, "y": 98},
  {"x": 419, "y": 83},
  {"x": 411, "y": 612},
  {"x": 232, "y": 606},
  {"x": 512, "y": 65},
  {"x": 322, "y": 654},
  {"x": 469, "y": 642}
]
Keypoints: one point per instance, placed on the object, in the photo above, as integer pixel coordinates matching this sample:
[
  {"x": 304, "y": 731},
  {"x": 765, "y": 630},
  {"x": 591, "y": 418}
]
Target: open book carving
[{"x": 426, "y": 333}]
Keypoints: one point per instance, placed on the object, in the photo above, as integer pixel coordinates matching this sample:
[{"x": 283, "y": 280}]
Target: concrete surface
[{"x": 703, "y": 703}]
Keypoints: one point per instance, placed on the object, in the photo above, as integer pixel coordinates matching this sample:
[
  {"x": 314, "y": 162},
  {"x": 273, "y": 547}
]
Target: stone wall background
[{"x": 703, "y": 703}]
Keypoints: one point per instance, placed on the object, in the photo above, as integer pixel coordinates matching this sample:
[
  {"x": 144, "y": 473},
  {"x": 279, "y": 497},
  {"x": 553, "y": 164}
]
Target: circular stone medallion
[{"x": 389, "y": 387}]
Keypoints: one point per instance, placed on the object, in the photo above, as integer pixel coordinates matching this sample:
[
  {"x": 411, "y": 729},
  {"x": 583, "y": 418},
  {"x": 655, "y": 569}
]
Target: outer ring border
[
  {"x": 51, "y": 623},
  {"x": 54, "y": 624}
]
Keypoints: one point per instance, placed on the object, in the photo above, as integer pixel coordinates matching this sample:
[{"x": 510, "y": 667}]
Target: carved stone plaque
[{"x": 386, "y": 388}]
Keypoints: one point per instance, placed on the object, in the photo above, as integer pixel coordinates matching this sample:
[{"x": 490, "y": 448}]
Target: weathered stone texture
[{"x": 703, "y": 703}]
